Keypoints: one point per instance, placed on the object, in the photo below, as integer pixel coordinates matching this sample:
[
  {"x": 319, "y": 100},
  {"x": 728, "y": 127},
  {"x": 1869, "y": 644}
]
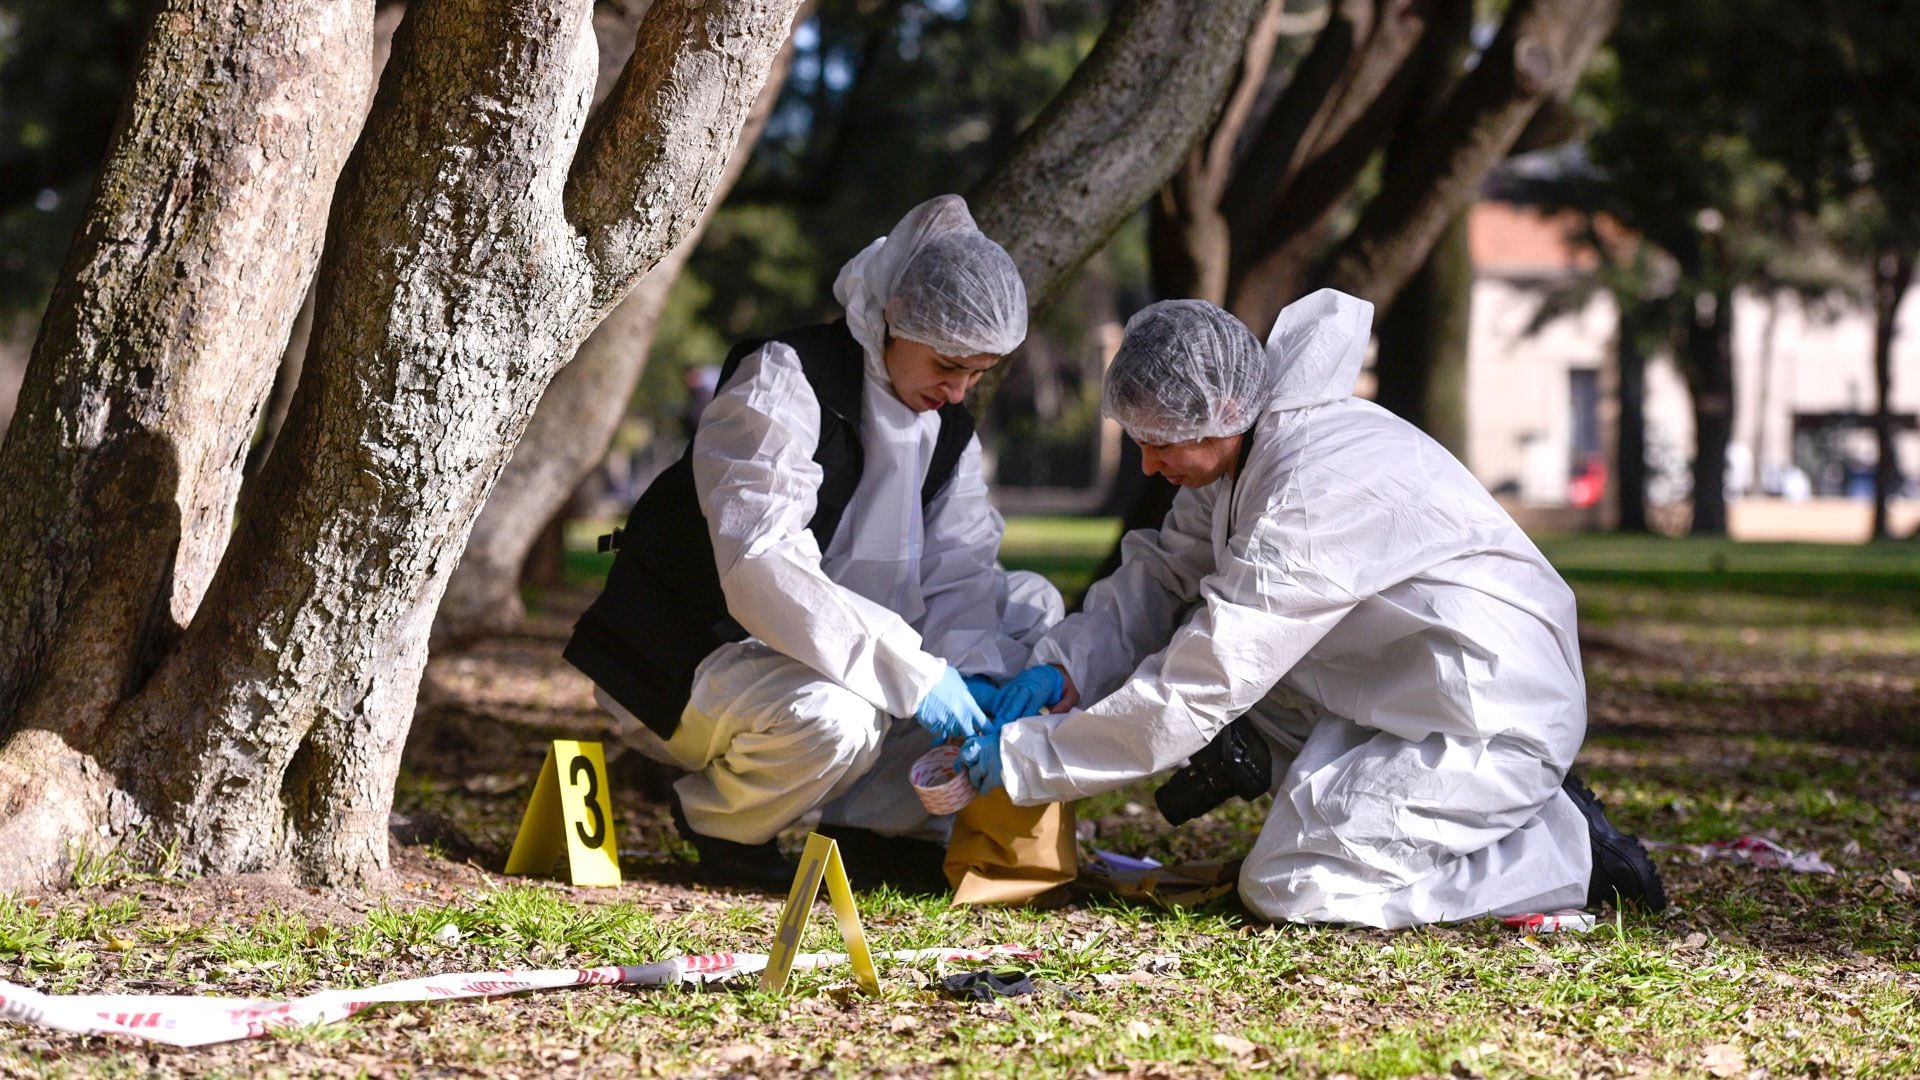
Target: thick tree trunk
[
  {"x": 466, "y": 263},
  {"x": 573, "y": 424},
  {"x": 145, "y": 382},
  {"x": 1114, "y": 134},
  {"x": 1540, "y": 51},
  {"x": 1892, "y": 274},
  {"x": 286, "y": 379},
  {"x": 1422, "y": 365},
  {"x": 1710, "y": 378},
  {"x": 1630, "y": 445}
]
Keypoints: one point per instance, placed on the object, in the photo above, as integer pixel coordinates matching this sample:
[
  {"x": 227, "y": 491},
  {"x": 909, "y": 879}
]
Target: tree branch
[
  {"x": 1113, "y": 135},
  {"x": 1338, "y": 87},
  {"x": 649, "y": 162},
  {"x": 1539, "y": 53}
]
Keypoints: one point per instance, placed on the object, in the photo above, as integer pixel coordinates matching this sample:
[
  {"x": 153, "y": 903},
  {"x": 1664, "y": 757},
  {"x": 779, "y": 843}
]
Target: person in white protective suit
[
  {"x": 1334, "y": 611},
  {"x": 812, "y": 600}
]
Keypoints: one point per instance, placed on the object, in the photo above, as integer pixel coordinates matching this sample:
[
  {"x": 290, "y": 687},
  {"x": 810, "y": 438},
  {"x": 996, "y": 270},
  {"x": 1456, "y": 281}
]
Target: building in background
[{"x": 1541, "y": 413}]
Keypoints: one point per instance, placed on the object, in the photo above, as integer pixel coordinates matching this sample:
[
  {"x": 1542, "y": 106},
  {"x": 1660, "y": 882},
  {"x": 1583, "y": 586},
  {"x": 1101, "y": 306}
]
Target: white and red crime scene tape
[
  {"x": 1553, "y": 922},
  {"x": 199, "y": 1021}
]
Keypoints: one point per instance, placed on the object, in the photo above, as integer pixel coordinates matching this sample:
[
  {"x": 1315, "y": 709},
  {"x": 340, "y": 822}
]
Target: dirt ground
[{"x": 1711, "y": 717}]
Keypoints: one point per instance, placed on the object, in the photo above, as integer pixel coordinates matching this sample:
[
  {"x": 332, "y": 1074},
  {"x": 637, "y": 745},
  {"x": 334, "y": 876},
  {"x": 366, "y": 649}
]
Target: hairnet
[
  {"x": 1186, "y": 370},
  {"x": 938, "y": 280}
]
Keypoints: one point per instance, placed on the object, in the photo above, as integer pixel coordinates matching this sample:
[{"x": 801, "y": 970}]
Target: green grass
[{"x": 1721, "y": 704}]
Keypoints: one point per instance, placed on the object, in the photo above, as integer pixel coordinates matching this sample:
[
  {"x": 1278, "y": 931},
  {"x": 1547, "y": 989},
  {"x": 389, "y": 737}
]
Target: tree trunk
[
  {"x": 146, "y": 378},
  {"x": 466, "y": 263},
  {"x": 573, "y": 424},
  {"x": 1540, "y": 51},
  {"x": 1422, "y": 364},
  {"x": 1339, "y": 108},
  {"x": 1892, "y": 274},
  {"x": 1710, "y": 378},
  {"x": 1188, "y": 244},
  {"x": 286, "y": 380},
  {"x": 1630, "y": 447},
  {"x": 1187, "y": 240},
  {"x": 1113, "y": 135}
]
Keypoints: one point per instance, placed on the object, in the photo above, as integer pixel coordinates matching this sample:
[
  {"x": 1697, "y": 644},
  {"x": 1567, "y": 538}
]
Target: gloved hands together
[
  {"x": 1036, "y": 688},
  {"x": 949, "y": 710},
  {"x": 980, "y": 757},
  {"x": 985, "y": 693}
]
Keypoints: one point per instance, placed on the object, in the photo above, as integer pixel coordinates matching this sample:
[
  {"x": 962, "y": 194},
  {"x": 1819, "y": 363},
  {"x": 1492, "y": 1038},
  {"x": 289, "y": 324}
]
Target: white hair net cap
[
  {"x": 938, "y": 280},
  {"x": 1186, "y": 370}
]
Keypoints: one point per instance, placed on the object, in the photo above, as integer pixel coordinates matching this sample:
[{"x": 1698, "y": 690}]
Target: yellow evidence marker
[
  {"x": 821, "y": 859},
  {"x": 570, "y": 811}
]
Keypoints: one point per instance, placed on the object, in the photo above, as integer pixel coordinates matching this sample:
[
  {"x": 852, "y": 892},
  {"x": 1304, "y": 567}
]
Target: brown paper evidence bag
[{"x": 1006, "y": 854}]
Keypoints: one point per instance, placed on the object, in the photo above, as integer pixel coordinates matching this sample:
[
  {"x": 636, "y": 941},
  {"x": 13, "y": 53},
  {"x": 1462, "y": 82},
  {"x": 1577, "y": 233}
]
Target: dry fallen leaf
[
  {"x": 1081, "y": 1019},
  {"x": 1694, "y": 940},
  {"x": 902, "y": 1024},
  {"x": 1724, "y": 1059},
  {"x": 1140, "y": 1029},
  {"x": 1234, "y": 1044},
  {"x": 1903, "y": 879}
]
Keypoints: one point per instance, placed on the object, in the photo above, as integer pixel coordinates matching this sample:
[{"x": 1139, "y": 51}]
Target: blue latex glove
[
  {"x": 949, "y": 711},
  {"x": 1028, "y": 692},
  {"x": 985, "y": 694},
  {"x": 980, "y": 757}
]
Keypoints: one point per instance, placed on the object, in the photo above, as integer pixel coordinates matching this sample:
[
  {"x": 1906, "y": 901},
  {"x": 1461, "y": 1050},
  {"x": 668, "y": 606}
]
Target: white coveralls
[
  {"x": 814, "y": 710},
  {"x": 1406, "y": 651}
]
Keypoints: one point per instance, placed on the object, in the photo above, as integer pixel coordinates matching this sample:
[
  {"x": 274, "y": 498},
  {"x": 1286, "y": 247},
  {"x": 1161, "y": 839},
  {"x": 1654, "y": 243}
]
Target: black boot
[
  {"x": 915, "y": 867},
  {"x": 1622, "y": 872},
  {"x": 726, "y": 863}
]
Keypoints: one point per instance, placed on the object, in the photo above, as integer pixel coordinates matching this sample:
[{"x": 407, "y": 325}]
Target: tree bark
[
  {"x": 1188, "y": 242},
  {"x": 1422, "y": 363},
  {"x": 466, "y": 264},
  {"x": 1113, "y": 135},
  {"x": 1892, "y": 274},
  {"x": 1540, "y": 51},
  {"x": 1630, "y": 447},
  {"x": 148, "y": 372},
  {"x": 1339, "y": 108},
  {"x": 1710, "y": 378},
  {"x": 286, "y": 380},
  {"x": 573, "y": 424}
]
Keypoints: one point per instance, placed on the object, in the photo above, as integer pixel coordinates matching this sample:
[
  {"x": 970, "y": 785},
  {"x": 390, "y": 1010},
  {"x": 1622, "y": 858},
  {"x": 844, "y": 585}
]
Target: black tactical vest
[{"x": 663, "y": 611}]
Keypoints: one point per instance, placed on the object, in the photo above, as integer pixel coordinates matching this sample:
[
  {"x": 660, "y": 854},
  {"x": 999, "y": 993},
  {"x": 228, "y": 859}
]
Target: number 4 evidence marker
[{"x": 570, "y": 812}]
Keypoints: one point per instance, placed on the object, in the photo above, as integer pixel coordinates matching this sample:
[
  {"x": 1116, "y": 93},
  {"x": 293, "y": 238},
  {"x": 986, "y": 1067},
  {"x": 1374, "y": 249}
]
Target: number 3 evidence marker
[{"x": 570, "y": 811}]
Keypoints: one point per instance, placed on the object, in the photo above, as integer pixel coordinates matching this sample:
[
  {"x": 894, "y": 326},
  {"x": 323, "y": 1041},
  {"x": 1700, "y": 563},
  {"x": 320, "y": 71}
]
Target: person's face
[
  {"x": 1195, "y": 463},
  {"x": 926, "y": 380}
]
